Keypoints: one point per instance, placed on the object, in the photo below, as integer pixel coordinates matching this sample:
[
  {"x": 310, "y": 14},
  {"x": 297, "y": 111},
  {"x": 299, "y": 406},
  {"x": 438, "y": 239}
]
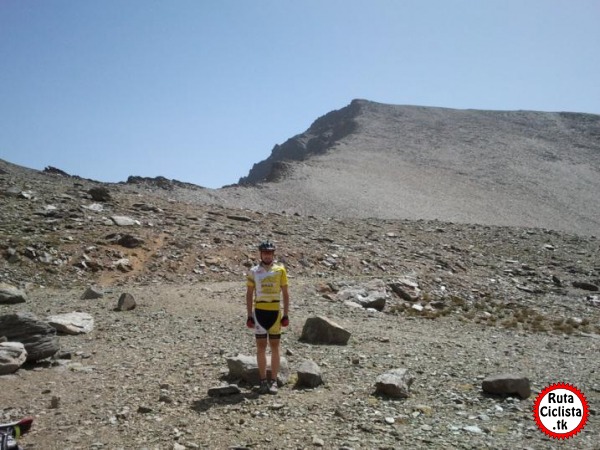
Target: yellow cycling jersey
[{"x": 267, "y": 283}]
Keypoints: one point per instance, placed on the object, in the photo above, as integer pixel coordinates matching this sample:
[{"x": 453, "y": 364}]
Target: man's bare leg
[
  {"x": 261, "y": 357},
  {"x": 275, "y": 358}
]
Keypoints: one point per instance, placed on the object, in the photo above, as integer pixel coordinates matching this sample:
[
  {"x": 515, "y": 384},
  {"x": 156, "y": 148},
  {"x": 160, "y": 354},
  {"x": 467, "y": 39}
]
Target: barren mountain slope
[
  {"x": 517, "y": 168},
  {"x": 462, "y": 302}
]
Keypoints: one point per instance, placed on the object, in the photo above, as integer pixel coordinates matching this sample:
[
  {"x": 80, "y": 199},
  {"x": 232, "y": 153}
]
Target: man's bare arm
[
  {"x": 286, "y": 300},
  {"x": 249, "y": 300}
]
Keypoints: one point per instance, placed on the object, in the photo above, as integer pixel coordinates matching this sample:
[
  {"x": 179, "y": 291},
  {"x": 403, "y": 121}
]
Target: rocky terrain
[
  {"x": 451, "y": 302},
  {"x": 461, "y": 303}
]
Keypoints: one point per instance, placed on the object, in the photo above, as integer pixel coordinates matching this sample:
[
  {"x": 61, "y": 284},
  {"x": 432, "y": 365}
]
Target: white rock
[
  {"x": 97, "y": 207},
  {"x": 72, "y": 323},
  {"x": 12, "y": 356},
  {"x": 124, "y": 221},
  {"x": 473, "y": 429}
]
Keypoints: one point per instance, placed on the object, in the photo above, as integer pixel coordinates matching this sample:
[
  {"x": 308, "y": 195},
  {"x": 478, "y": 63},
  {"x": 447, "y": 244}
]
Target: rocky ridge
[{"x": 452, "y": 303}]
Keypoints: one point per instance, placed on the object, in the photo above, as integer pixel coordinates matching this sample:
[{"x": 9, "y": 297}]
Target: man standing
[{"x": 266, "y": 284}]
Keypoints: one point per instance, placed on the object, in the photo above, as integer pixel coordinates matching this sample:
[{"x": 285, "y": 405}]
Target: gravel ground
[{"x": 140, "y": 379}]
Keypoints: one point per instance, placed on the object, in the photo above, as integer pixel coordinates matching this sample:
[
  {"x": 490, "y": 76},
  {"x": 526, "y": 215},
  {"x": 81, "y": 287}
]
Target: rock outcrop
[{"x": 38, "y": 337}]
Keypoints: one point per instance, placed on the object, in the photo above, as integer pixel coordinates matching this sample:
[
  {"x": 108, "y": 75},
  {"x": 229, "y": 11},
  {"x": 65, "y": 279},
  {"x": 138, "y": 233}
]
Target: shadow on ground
[{"x": 207, "y": 403}]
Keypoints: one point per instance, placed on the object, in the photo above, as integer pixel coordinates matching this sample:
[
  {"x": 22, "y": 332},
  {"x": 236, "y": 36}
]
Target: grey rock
[
  {"x": 309, "y": 374},
  {"x": 12, "y": 191},
  {"x": 366, "y": 297},
  {"x": 147, "y": 207},
  {"x": 239, "y": 218},
  {"x": 395, "y": 383},
  {"x": 55, "y": 402},
  {"x": 405, "y": 291},
  {"x": 321, "y": 330},
  {"x": 10, "y": 294},
  {"x": 507, "y": 384},
  {"x": 318, "y": 442},
  {"x": 100, "y": 194},
  {"x": 222, "y": 391},
  {"x": 593, "y": 300},
  {"x": 130, "y": 241},
  {"x": 244, "y": 367},
  {"x": 92, "y": 293},
  {"x": 585, "y": 286},
  {"x": 123, "y": 264},
  {"x": 96, "y": 207},
  {"x": 126, "y": 302},
  {"x": 11, "y": 255},
  {"x": 38, "y": 337},
  {"x": 406, "y": 288},
  {"x": 12, "y": 356}
]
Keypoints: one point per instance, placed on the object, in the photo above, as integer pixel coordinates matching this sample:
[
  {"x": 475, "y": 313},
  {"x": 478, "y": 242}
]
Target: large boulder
[
  {"x": 321, "y": 330},
  {"x": 507, "y": 384},
  {"x": 38, "y": 337},
  {"x": 12, "y": 356},
  {"x": 9, "y": 294}
]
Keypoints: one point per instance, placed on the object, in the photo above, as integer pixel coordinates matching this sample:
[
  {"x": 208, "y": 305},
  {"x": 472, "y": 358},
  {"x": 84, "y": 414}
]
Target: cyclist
[{"x": 266, "y": 283}]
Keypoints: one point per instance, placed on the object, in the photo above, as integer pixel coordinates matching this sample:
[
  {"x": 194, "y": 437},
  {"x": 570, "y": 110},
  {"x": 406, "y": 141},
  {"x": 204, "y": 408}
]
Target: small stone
[
  {"x": 55, "y": 402},
  {"x": 92, "y": 293},
  {"x": 318, "y": 442},
  {"x": 223, "y": 391},
  {"x": 473, "y": 429},
  {"x": 164, "y": 398},
  {"x": 585, "y": 286},
  {"x": 394, "y": 383},
  {"x": 126, "y": 302}
]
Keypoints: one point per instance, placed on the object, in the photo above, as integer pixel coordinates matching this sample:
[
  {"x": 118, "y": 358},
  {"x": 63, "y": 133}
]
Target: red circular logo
[{"x": 561, "y": 410}]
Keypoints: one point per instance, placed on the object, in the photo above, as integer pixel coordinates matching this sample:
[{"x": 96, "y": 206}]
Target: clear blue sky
[{"x": 200, "y": 90}]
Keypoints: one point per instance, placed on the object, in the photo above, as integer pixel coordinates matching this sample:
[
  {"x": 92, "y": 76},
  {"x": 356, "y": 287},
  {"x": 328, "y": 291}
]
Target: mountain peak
[{"x": 320, "y": 137}]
